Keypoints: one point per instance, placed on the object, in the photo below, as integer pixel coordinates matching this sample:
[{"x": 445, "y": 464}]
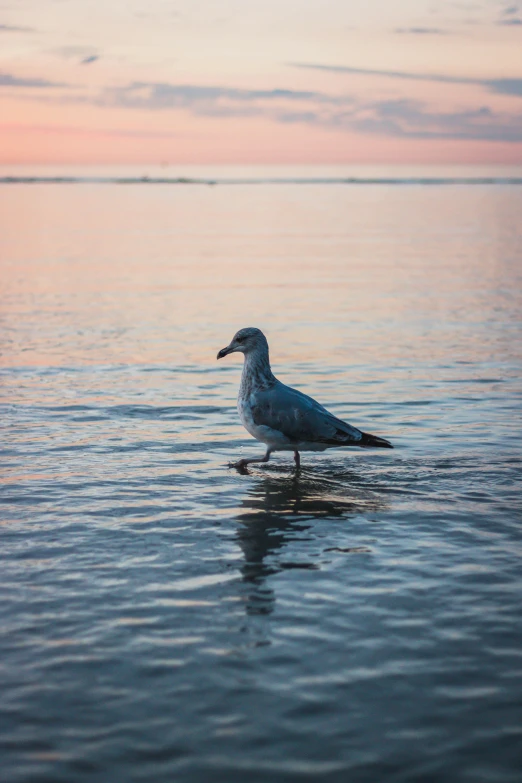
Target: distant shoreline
[{"x": 38, "y": 180}]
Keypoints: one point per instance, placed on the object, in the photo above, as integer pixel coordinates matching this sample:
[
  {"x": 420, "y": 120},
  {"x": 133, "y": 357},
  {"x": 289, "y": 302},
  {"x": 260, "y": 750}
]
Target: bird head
[{"x": 245, "y": 341}]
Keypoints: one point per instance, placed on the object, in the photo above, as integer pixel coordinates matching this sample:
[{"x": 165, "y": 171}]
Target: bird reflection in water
[{"x": 282, "y": 509}]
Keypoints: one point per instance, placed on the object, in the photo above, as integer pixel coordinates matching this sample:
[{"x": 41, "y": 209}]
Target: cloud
[
  {"x": 397, "y": 118},
  {"x": 509, "y": 17},
  {"x": 208, "y": 100},
  {"x": 11, "y": 28},
  {"x": 506, "y": 86},
  {"x": 401, "y": 118},
  {"x": 8, "y": 80},
  {"x": 420, "y": 31},
  {"x": 411, "y": 119},
  {"x": 499, "y": 86},
  {"x": 84, "y": 54},
  {"x": 423, "y": 77}
]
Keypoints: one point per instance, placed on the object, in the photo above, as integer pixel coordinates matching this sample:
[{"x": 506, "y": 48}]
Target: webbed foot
[{"x": 241, "y": 465}]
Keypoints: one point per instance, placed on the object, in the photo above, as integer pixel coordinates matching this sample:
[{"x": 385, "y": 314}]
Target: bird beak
[{"x": 224, "y": 352}]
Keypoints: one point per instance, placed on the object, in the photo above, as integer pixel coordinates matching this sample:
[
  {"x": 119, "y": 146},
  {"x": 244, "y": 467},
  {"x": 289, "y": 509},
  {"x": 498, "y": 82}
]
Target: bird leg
[
  {"x": 297, "y": 460},
  {"x": 244, "y": 462}
]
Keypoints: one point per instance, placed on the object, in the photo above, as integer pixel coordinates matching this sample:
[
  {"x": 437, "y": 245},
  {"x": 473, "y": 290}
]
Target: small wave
[
  {"x": 133, "y": 411},
  {"x": 171, "y": 411}
]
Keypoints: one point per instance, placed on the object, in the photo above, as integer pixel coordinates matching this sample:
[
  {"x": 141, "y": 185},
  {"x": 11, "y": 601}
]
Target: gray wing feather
[{"x": 300, "y": 418}]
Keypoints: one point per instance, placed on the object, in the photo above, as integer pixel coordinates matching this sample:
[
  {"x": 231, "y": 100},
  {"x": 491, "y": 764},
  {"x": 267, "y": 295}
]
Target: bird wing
[{"x": 300, "y": 418}]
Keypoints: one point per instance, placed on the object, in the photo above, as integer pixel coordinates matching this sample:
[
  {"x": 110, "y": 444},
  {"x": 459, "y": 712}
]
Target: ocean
[{"x": 164, "y": 618}]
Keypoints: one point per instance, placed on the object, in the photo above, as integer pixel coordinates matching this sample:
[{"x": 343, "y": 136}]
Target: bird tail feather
[{"x": 373, "y": 440}]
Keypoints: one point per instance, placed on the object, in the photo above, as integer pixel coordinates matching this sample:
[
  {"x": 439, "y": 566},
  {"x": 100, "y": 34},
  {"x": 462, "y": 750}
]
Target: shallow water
[{"x": 164, "y": 618}]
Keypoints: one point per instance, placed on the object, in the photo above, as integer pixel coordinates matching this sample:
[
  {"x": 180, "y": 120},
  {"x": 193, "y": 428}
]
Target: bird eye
[{"x": 239, "y": 339}]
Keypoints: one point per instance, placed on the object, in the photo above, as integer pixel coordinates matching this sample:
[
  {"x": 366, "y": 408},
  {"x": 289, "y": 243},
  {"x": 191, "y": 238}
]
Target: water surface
[{"x": 164, "y": 618}]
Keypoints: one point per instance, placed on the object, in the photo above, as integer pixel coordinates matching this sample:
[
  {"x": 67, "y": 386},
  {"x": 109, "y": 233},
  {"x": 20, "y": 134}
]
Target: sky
[{"x": 260, "y": 81}]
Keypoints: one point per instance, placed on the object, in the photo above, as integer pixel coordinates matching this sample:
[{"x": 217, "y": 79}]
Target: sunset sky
[{"x": 260, "y": 81}]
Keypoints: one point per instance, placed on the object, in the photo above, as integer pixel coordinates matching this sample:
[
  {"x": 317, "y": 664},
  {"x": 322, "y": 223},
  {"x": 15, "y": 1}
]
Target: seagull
[{"x": 281, "y": 417}]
